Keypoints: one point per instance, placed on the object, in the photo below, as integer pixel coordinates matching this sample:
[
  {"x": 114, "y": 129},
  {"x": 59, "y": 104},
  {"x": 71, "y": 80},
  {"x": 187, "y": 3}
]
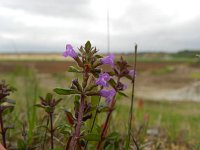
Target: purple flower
[
  {"x": 103, "y": 79},
  {"x": 70, "y": 52},
  {"x": 108, "y": 94},
  {"x": 108, "y": 60},
  {"x": 131, "y": 73}
]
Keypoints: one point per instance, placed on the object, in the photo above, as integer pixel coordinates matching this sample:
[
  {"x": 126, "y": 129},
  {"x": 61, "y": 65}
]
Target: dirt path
[{"x": 177, "y": 85}]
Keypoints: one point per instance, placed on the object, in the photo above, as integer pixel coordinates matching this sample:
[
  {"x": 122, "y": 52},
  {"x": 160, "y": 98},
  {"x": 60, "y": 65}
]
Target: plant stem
[
  {"x": 132, "y": 97},
  {"x": 3, "y": 132},
  {"x": 103, "y": 132},
  {"x": 68, "y": 143},
  {"x": 104, "y": 128},
  {"x": 135, "y": 142},
  {"x": 78, "y": 126},
  {"x": 51, "y": 129}
]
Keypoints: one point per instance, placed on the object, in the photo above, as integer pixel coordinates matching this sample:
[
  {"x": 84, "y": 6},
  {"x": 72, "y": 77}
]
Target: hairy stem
[
  {"x": 3, "y": 131},
  {"x": 132, "y": 98},
  {"x": 78, "y": 126},
  {"x": 51, "y": 129}
]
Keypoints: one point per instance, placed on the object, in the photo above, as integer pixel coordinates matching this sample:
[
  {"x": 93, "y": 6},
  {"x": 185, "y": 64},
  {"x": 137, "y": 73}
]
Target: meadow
[{"x": 164, "y": 118}]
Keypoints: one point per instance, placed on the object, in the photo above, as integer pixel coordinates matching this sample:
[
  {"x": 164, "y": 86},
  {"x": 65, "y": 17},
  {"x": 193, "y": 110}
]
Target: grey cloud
[
  {"x": 170, "y": 38},
  {"x": 141, "y": 23},
  {"x": 58, "y": 8},
  {"x": 46, "y": 39}
]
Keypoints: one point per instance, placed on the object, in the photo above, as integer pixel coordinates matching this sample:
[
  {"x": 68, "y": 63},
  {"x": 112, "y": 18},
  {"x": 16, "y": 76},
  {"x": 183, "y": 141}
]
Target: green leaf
[
  {"x": 111, "y": 73},
  {"x": 13, "y": 89},
  {"x": 43, "y": 126},
  {"x": 64, "y": 129},
  {"x": 98, "y": 56},
  {"x": 113, "y": 136},
  {"x": 39, "y": 105},
  {"x": 7, "y": 109},
  {"x": 92, "y": 137},
  {"x": 61, "y": 91},
  {"x": 58, "y": 148},
  {"x": 98, "y": 128},
  {"x": 110, "y": 147},
  {"x": 87, "y": 46},
  {"x": 76, "y": 104},
  {"x": 21, "y": 145},
  {"x": 58, "y": 101},
  {"x": 73, "y": 69},
  {"x": 95, "y": 100},
  {"x": 122, "y": 94},
  {"x": 49, "y": 97},
  {"x": 49, "y": 109},
  {"x": 126, "y": 145},
  {"x": 77, "y": 98},
  {"x": 112, "y": 83}
]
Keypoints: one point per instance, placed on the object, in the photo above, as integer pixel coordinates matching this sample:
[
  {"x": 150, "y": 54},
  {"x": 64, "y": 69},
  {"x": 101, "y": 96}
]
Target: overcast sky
[{"x": 48, "y": 25}]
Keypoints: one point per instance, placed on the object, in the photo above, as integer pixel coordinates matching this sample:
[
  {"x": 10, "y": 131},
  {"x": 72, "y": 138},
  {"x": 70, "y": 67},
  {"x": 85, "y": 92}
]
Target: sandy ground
[{"x": 178, "y": 84}]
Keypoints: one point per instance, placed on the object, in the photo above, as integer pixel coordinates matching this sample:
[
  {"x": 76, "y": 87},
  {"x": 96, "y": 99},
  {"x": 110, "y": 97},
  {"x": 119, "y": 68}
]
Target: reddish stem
[
  {"x": 78, "y": 126},
  {"x": 68, "y": 143},
  {"x": 105, "y": 126},
  {"x": 104, "y": 131}
]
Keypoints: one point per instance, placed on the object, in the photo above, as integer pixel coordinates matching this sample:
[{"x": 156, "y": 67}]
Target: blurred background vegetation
[{"x": 167, "y": 95}]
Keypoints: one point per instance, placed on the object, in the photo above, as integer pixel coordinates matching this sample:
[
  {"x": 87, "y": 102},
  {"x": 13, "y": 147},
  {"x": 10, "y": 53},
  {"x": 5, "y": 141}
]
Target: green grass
[
  {"x": 195, "y": 75},
  {"x": 186, "y": 60},
  {"x": 175, "y": 118},
  {"x": 163, "y": 71}
]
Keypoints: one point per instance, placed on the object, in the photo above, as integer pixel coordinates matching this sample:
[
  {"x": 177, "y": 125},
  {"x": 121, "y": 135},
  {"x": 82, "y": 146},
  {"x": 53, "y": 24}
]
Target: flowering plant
[
  {"x": 5, "y": 91},
  {"x": 96, "y": 83}
]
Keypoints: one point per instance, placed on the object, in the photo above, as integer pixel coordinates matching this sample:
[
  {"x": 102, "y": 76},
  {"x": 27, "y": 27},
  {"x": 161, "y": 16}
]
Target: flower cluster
[
  {"x": 103, "y": 77},
  {"x": 95, "y": 82}
]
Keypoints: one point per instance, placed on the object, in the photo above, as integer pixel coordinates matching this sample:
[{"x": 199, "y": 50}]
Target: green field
[{"x": 177, "y": 122}]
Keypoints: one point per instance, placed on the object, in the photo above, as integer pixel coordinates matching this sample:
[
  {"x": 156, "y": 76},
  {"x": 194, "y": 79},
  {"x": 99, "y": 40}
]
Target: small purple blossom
[
  {"x": 108, "y": 60},
  {"x": 131, "y": 73},
  {"x": 70, "y": 52},
  {"x": 103, "y": 79},
  {"x": 108, "y": 94}
]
